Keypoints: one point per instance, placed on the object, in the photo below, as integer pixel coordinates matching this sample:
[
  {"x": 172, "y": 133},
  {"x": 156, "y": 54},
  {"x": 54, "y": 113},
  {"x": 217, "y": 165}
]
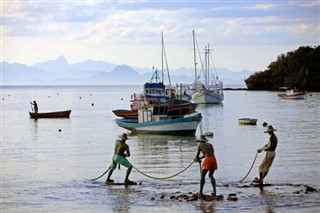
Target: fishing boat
[
  {"x": 210, "y": 90},
  {"x": 156, "y": 93},
  {"x": 290, "y": 93},
  {"x": 155, "y": 120},
  {"x": 58, "y": 114},
  {"x": 176, "y": 108},
  {"x": 247, "y": 121}
]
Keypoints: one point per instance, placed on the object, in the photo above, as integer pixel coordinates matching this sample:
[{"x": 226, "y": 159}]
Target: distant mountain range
[{"x": 60, "y": 72}]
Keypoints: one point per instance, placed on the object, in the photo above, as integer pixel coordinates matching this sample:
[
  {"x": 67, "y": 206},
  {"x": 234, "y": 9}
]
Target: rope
[
  {"x": 254, "y": 160},
  {"x": 163, "y": 178},
  {"x": 101, "y": 175}
]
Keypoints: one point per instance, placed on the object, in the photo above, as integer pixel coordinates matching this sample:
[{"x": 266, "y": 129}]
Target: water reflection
[
  {"x": 34, "y": 128},
  {"x": 210, "y": 106},
  {"x": 207, "y": 207},
  {"x": 161, "y": 154},
  {"x": 121, "y": 202}
]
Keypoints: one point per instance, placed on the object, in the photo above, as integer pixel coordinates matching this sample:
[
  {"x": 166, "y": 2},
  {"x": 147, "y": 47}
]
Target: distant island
[
  {"x": 299, "y": 68},
  {"x": 90, "y": 72}
]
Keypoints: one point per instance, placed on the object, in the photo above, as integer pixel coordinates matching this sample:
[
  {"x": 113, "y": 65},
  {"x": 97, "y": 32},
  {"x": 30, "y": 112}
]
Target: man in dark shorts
[
  {"x": 209, "y": 163},
  {"x": 121, "y": 152},
  {"x": 270, "y": 149},
  {"x": 35, "y": 106}
]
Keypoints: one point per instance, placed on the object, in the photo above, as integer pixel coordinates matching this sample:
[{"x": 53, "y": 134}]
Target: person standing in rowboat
[
  {"x": 121, "y": 152},
  {"x": 209, "y": 163},
  {"x": 34, "y": 106},
  {"x": 270, "y": 149}
]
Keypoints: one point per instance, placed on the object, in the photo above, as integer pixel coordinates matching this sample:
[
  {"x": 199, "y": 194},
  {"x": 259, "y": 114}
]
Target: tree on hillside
[{"x": 299, "y": 68}]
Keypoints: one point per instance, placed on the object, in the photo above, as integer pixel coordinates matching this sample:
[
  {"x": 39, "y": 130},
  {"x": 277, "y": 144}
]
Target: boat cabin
[{"x": 155, "y": 113}]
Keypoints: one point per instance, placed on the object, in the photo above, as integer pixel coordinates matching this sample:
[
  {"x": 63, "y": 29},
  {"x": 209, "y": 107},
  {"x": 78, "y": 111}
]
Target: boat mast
[
  {"x": 207, "y": 64},
  {"x": 162, "y": 44},
  {"x": 164, "y": 56},
  {"x": 194, "y": 57}
]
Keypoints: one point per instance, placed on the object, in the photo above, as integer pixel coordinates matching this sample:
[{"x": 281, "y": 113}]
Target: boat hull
[
  {"x": 299, "y": 95},
  {"x": 129, "y": 114},
  {"x": 205, "y": 96},
  {"x": 58, "y": 114},
  {"x": 174, "y": 111},
  {"x": 179, "y": 126}
]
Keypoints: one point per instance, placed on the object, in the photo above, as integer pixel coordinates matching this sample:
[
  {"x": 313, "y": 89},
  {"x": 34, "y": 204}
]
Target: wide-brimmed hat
[
  {"x": 270, "y": 129},
  {"x": 123, "y": 136},
  {"x": 202, "y": 139}
]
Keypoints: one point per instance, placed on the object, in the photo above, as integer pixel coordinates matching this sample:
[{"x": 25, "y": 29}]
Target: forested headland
[{"x": 299, "y": 68}]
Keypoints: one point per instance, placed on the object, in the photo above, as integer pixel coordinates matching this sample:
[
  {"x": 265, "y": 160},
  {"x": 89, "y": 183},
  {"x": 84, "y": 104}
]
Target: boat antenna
[{"x": 155, "y": 76}]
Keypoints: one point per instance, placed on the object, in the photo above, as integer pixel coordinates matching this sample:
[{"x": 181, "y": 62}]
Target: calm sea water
[{"x": 47, "y": 170}]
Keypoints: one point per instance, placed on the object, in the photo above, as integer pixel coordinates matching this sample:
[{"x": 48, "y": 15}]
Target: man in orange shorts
[{"x": 209, "y": 163}]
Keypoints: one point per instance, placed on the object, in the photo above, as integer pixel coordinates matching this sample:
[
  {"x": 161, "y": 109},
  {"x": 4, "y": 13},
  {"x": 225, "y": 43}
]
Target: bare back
[
  {"x": 121, "y": 148},
  {"x": 206, "y": 148}
]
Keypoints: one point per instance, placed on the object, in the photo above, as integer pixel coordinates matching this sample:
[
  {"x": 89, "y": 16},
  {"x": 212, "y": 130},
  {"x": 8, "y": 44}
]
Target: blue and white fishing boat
[{"x": 155, "y": 120}]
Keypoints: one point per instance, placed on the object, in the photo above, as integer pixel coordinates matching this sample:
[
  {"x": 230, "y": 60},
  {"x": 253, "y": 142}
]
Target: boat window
[
  {"x": 161, "y": 109},
  {"x": 155, "y": 110}
]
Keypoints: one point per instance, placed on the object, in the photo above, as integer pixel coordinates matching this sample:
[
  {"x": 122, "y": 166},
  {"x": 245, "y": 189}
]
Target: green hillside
[{"x": 299, "y": 68}]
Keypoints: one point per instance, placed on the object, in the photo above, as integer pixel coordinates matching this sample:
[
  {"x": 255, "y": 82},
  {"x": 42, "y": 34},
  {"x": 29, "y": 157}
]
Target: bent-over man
[{"x": 209, "y": 163}]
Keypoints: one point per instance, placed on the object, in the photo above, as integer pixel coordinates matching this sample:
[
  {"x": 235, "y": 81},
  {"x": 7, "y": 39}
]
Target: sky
[{"x": 243, "y": 35}]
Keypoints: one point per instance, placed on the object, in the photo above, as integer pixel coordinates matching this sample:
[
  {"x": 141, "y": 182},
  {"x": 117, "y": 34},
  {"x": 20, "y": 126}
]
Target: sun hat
[
  {"x": 270, "y": 129},
  {"x": 124, "y": 136},
  {"x": 202, "y": 139}
]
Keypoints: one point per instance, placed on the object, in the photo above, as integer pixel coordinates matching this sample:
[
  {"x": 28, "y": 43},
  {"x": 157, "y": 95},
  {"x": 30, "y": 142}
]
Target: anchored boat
[
  {"x": 291, "y": 93},
  {"x": 155, "y": 120},
  {"x": 247, "y": 121},
  {"x": 211, "y": 90},
  {"x": 58, "y": 114}
]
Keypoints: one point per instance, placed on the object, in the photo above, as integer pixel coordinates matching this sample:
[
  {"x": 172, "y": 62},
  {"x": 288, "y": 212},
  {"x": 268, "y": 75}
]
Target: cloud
[{"x": 77, "y": 28}]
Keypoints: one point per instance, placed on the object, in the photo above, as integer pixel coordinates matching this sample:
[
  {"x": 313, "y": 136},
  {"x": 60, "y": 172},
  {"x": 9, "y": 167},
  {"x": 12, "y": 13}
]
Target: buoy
[
  {"x": 121, "y": 99},
  {"x": 80, "y": 97},
  {"x": 49, "y": 96},
  {"x": 59, "y": 130},
  {"x": 92, "y": 104},
  {"x": 265, "y": 124}
]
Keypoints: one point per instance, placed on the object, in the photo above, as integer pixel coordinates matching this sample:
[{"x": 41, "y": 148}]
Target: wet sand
[{"x": 161, "y": 196}]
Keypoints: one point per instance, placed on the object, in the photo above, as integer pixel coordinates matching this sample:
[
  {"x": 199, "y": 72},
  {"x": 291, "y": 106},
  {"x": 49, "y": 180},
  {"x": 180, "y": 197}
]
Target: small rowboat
[
  {"x": 247, "y": 121},
  {"x": 58, "y": 114}
]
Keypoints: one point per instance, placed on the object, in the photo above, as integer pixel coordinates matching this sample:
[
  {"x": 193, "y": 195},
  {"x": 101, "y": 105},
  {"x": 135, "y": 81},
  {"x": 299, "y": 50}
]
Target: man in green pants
[{"x": 121, "y": 152}]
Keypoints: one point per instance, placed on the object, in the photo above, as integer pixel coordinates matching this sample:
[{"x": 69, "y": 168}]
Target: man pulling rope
[
  {"x": 209, "y": 163},
  {"x": 121, "y": 152},
  {"x": 270, "y": 149}
]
